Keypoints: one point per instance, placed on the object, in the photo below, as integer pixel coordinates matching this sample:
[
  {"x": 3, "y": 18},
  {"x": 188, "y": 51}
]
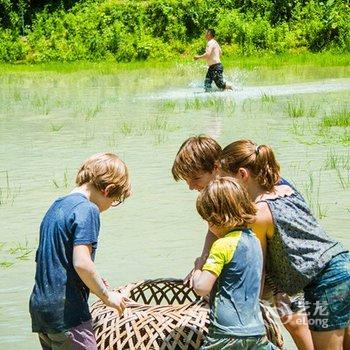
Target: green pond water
[{"x": 50, "y": 122}]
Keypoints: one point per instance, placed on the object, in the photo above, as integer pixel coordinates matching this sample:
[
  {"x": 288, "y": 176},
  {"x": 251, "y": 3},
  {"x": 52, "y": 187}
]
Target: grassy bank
[{"x": 324, "y": 59}]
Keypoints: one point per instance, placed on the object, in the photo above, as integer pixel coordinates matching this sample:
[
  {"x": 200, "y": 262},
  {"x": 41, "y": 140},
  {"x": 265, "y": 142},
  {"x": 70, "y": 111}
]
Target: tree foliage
[{"x": 125, "y": 30}]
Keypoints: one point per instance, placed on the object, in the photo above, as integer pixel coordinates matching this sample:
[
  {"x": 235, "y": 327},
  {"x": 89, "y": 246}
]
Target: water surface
[{"x": 50, "y": 122}]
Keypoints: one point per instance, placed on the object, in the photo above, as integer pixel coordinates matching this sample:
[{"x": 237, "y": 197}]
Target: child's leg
[
  {"x": 291, "y": 311},
  {"x": 55, "y": 341},
  {"x": 45, "y": 341},
  {"x": 292, "y": 314},
  {"x": 346, "y": 344},
  {"x": 296, "y": 325},
  {"x": 331, "y": 340}
]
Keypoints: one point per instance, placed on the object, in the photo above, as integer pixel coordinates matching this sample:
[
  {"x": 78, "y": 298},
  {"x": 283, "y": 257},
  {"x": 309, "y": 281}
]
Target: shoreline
[{"x": 324, "y": 59}]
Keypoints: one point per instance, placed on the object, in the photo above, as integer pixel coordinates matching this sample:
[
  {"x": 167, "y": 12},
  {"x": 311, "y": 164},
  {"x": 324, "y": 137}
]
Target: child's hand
[
  {"x": 198, "y": 264},
  {"x": 188, "y": 278},
  {"x": 194, "y": 274},
  {"x": 117, "y": 301}
]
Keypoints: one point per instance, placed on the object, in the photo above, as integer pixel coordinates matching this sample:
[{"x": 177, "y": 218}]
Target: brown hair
[
  {"x": 225, "y": 203},
  {"x": 196, "y": 154},
  {"x": 260, "y": 160},
  {"x": 103, "y": 169}
]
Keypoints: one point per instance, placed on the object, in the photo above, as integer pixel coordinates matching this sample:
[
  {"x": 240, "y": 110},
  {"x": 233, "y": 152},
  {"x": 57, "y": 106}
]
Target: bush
[
  {"x": 160, "y": 29},
  {"x": 12, "y": 47}
]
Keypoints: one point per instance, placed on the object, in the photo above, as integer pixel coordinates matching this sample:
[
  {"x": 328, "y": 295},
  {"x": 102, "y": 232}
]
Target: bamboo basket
[{"x": 166, "y": 315}]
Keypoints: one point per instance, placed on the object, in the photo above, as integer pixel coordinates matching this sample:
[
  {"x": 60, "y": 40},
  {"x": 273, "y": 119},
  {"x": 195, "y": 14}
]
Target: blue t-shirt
[
  {"x": 236, "y": 259},
  {"x": 59, "y": 300}
]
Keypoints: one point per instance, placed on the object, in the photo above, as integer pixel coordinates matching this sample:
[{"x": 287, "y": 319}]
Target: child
[
  {"x": 300, "y": 255},
  {"x": 215, "y": 68},
  {"x": 232, "y": 272},
  {"x": 65, "y": 269},
  {"x": 197, "y": 162}
]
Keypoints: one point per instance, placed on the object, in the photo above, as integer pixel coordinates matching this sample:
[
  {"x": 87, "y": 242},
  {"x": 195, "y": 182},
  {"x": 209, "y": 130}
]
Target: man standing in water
[{"x": 212, "y": 56}]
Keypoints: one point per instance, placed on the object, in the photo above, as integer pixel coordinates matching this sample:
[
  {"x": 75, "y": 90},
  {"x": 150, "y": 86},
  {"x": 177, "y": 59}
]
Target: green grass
[
  {"x": 160, "y": 138},
  {"x": 324, "y": 59},
  {"x": 168, "y": 106},
  {"x": 152, "y": 126},
  {"x": 313, "y": 110},
  {"x": 112, "y": 140},
  {"x": 17, "y": 252},
  {"x": 6, "y": 264},
  {"x": 312, "y": 195},
  {"x": 215, "y": 103},
  {"x": 55, "y": 127},
  {"x": 8, "y": 193},
  {"x": 345, "y": 138},
  {"x": 41, "y": 103},
  {"x": 89, "y": 135},
  {"x": 295, "y": 109},
  {"x": 340, "y": 118},
  {"x": 265, "y": 98},
  {"x": 337, "y": 161},
  {"x": 65, "y": 181},
  {"x": 92, "y": 112},
  {"x": 343, "y": 179},
  {"x": 158, "y": 123},
  {"x": 126, "y": 128}
]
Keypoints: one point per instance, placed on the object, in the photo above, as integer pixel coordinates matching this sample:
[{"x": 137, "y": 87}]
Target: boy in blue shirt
[
  {"x": 232, "y": 272},
  {"x": 65, "y": 269}
]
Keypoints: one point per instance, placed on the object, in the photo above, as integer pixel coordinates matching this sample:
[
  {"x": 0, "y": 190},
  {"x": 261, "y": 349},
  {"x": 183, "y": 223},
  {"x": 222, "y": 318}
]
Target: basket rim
[{"x": 130, "y": 286}]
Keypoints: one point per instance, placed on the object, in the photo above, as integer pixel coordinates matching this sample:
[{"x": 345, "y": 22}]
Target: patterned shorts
[
  {"x": 237, "y": 343},
  {"x": 327, "y": 298}
]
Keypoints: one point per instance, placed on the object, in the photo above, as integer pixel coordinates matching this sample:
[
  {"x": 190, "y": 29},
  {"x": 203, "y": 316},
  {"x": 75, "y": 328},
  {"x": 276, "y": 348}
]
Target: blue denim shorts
[{"x": 327, "y": 297}]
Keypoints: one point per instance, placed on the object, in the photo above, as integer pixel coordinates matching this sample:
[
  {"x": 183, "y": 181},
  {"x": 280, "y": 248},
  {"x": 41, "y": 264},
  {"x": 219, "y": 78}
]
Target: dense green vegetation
[{"x": 41, "y": 31}]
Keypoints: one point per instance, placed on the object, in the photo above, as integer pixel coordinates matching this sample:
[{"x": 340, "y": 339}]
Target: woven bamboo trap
[{"x": 166, "y": 315}]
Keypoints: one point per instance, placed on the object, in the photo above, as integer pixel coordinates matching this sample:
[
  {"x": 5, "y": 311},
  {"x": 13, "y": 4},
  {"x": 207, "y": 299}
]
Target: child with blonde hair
[
  {"x": 233, "y": 269},
  {"x": 65, "y": 269}
]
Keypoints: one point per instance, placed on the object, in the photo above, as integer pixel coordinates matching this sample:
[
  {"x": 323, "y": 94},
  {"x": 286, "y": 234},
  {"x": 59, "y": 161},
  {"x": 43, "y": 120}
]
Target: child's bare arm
[
  {"x": 203, "y": 282},
  {"x": 262, "y": 226},
  {"x": 200, "y": 261},
  {"x": 86, "y": 270},
  {"x": 210, "y": 238}
]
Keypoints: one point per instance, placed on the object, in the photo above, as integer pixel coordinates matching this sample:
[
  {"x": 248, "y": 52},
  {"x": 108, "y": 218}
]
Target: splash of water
[{"x": 242, "y": 92}]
